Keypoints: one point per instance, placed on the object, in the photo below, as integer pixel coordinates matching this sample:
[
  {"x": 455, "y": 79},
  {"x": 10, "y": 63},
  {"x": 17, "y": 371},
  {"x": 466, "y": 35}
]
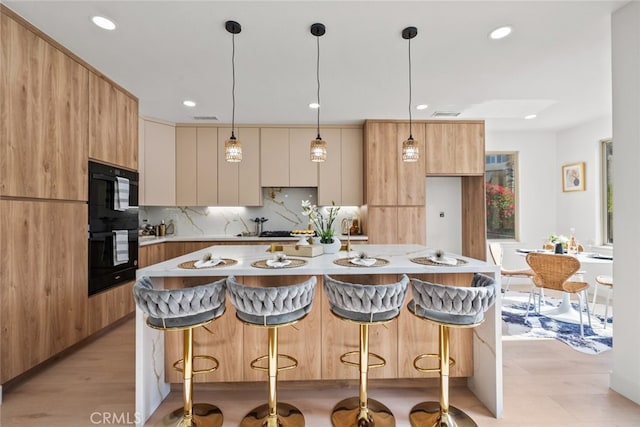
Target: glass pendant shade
[
  {"x": 318, "y": 150},
  {"x": 233, "y": 150},
  {"x": 410, "y": 151}
]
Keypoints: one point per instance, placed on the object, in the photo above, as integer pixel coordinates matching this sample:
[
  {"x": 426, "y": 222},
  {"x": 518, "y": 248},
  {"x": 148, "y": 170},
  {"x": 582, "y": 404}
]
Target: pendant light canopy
[
  {"x": 410, "y": 151},
  {"x": 318, "y": 146},
  {"x": 232, "y": 146}
]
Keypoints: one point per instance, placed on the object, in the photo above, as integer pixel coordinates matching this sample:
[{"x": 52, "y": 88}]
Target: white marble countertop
[
  {"x": 399, "y": 257},
  {"x": 152, "y": 240}
]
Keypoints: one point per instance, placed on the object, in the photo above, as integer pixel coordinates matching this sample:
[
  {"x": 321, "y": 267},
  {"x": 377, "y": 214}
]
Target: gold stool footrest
[
  {"x": 452, "y": 362},
  {"x": 254, "y": 363},
  {"x": 343, "y": 359},
  {"x": 216, "y": 364}
]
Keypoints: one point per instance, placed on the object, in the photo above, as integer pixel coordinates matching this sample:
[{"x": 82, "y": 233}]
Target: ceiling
[{"x": 556, "y": 63}]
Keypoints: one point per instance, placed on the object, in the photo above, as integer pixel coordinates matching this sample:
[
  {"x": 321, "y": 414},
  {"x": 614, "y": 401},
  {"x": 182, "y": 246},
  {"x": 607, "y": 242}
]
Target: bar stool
[
  {"x": 183, "y": 310},
  {"x": 272, "y": 308},
  {"x": 364, "y": 305},
  {"x": 448, "y": 307}
]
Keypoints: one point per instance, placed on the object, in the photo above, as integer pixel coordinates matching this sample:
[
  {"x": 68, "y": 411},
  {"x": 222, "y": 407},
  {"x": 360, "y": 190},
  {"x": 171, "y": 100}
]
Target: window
[
  {"x": 500, "y": 177},
  {"x": 607, "y": 192}
]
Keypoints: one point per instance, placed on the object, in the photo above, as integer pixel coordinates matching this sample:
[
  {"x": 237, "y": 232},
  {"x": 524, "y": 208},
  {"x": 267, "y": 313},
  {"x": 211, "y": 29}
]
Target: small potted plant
[{"x": 322, "y": 223}]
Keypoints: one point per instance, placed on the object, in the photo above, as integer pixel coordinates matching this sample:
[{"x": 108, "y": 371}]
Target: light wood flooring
[{"x": 546, "y": 383}]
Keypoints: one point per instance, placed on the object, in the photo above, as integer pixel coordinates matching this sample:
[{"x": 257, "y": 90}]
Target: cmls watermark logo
[{"x": 115, "y": 418}]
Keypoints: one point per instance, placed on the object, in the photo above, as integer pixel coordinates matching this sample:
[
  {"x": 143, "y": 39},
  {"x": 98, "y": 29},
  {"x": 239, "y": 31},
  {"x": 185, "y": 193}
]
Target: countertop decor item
[
  {"x": 430, "y": 261},
  {"x": 321, "y": 222},
  {"x": 233, "y": 146},
  {"x": 191, "y": 265},
  {"x": 353, "y": 262},
  {"x": 270, "y": 263}
]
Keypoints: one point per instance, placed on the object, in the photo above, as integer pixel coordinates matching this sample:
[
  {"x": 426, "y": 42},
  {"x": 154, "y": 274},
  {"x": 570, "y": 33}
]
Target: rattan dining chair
[
  {"x": 554, "y": 271},
  {"x": 495, "y": 250}
]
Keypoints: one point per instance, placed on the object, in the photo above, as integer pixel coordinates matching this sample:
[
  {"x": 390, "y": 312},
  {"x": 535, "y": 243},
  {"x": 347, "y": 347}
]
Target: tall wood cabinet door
[
  {"x": 249, "y": 190},
  {"x": 411, "y": 175},
  {"x": 44, "y": 276},
  {"x": 142, "y": 200},
  {"x": 330, "y": 171},
  {"x": 412, "y": 225},
  {"x": 274, "y": 157},
  {"x": 470, "y": 140},
  {"x": 186, "y": 171},
  {"x": 382, "y": 224},
  {"x": 103, "y": 112},
  {"x": 441, "y": 148},
  {"x": 127, "y": 131},
  {"x": 160, "y": 164},
  {"x": 381, "y": 164},
  {"x": 302, "y": 171},
  {"x": 207, "y": 166},
  {"x": 44, "y": 113},
  {"x": 351, "y": 167},
  {"x": 474, "y": 223}
]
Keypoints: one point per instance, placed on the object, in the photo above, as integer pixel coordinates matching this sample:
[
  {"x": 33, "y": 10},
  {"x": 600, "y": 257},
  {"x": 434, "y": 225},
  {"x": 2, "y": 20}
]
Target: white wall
[
  {"x": 444, "y": 195},
  {"x": 582, "y": 209},
  {"x": 625, "y": 40}
]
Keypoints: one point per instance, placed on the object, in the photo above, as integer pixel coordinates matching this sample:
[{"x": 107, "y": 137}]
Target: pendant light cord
[
  {"x": 233, "y": 84},
  {"x": 410, "y": 130},
  {"x": 318, "y": 81}
]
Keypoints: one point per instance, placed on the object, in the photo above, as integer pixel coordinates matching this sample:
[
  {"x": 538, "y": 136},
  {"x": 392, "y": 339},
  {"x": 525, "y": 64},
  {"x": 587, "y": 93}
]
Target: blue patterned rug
[{"x": 514, "y": 306}]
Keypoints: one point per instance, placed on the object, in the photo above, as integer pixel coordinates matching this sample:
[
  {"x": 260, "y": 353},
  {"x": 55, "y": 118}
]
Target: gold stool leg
[
  {"x": 273, "y": 414},
  {"x": 361, "y": 411},
  {"x": 440, "y": 414},
  {"x": 192, "y": 415}
]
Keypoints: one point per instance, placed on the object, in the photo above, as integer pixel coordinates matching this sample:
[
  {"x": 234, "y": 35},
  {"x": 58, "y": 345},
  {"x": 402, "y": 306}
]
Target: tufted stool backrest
[
  {"x": 456, "y": 305},
  {"x": 366, "y": 303},
  {"x": 179, "y": 308},
  {"x": 269, "y": 306}
]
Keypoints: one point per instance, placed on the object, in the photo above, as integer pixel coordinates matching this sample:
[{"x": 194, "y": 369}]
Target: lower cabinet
[
  {"x": 109, "y": 306},
  {"x": 43, "y": 281}
]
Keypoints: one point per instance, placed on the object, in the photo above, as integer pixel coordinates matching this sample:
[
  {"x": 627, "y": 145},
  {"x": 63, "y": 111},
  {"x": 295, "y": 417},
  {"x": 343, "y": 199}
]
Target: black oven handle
[
  {"x": 103, "y": 234},
  {"x": 104, "y": 177}
]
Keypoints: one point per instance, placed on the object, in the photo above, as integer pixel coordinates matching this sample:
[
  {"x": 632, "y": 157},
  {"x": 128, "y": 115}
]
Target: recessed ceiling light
[
  {"x": 188, "y": 103},
  {"x": 500, "y": 32},
  {"x": 314, "y": 105},
  {"x": 530, "y": 116},
  {"x": 421, "y": 107},
  {"x": 104, "y": 23}
]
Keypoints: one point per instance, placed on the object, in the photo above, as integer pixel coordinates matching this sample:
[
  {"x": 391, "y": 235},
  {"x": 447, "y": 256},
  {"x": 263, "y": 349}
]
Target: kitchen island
[{"x": 322, "y": 337}]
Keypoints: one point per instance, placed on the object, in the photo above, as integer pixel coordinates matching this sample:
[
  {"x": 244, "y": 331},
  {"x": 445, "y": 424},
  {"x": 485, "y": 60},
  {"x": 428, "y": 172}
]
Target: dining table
[{"x": 565, "y": 312}]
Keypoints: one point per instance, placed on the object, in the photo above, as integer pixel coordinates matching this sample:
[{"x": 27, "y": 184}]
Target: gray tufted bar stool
[
  {"x": 449, "y": 307},
  {"x": 365, "y": 305},
  {"x": 183, "y": 310},
  {"x": 272, "y": 308}
]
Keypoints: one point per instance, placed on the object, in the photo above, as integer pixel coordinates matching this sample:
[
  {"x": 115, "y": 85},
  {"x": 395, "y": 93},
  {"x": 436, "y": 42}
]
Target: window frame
[{"x": 516, "y": 197}]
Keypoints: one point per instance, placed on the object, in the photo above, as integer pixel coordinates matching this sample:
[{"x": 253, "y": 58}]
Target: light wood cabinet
[
  {"x": 159, "y": 176},
  {"x": 43, "y": 117},
  {"x": 150, "y": 254},
  {"x": 381, "y": 163},
  {"x": 284, "y": 158},
  {"x": 239, "y": 182},
  {"x": 196, "y": 166},
  {"x": 396, "y": 225},
  {"x": 113, "y": 124},
  {"x": 44, "y": 276},
  {"x": 344, "y": 154},
  {"x": 411, "y": 176},
  {"x": 107, "y": 307},
  {"x": 455, "y": 148}
]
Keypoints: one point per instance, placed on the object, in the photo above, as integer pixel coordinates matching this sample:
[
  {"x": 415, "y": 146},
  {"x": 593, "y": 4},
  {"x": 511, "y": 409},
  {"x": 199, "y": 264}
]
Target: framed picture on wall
[{"x": 573, "y": 177}]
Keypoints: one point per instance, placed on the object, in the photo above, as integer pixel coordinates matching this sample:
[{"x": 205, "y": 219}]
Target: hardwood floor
[{"x": 545, "y": 383}]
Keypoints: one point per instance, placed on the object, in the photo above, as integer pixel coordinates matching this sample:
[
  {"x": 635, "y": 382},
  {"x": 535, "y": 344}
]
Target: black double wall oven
[{"x": 113, "y": 226}]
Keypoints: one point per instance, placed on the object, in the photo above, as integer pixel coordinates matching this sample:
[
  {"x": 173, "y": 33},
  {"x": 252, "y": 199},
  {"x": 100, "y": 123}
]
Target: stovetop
[{"x": 276, "y": 233}]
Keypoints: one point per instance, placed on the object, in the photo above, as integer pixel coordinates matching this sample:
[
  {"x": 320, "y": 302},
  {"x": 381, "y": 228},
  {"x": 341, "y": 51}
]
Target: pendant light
[
  {"x": 410, "y": 151},
  {"x": 232, "y": 146},
  {"x": 318, "y": 146}
]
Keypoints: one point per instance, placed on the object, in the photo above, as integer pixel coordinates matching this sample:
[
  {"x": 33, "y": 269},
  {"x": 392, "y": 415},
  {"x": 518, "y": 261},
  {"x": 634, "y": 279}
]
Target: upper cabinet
[
  {"x": 340, "y": 176},
  {"x": 455, "y": 148},
  {"x": 158, "y": 178},
  {"x": 284, "y": 158},
  {"x": 388, "y": 180},
  {"x": 43, "y": 117},
  {"x": 239, "y": 182},
  {"x": 113, "y": 124}
]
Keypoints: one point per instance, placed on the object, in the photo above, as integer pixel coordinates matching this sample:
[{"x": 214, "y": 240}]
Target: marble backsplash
[{"x": 281, "y": 206}]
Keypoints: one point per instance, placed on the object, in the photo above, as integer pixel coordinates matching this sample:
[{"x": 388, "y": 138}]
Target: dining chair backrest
[
  {"x": 552, "y": 270},
  {"x": 495, "y": 249}
]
